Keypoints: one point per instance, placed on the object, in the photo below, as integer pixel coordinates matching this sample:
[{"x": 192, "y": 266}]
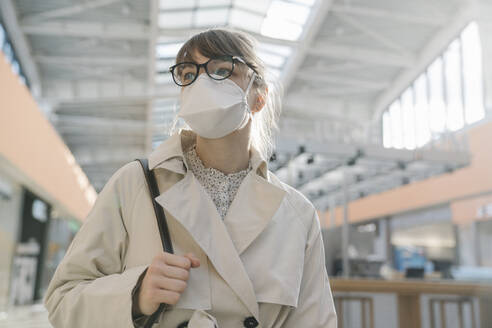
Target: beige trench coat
[{"x": 262, "y": 266}]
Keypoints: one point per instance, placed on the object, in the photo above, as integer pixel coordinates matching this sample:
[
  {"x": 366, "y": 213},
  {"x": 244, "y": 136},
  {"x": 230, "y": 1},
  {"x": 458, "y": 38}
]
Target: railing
[{"x": 410, "y": 294}]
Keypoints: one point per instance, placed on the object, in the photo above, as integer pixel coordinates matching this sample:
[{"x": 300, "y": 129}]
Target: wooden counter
[{"x": 408, "y": 294}]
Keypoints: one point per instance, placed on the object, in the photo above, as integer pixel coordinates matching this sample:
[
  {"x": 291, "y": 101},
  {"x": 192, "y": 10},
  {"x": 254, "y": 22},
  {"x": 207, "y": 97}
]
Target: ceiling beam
[
  {"x": 101, "y": 72},
  {"x": 88, "y": 140},
  {"x": 76, "y": 46},
  {"x": 99, "y": 156},
  {"x": 116, "y": 31},
  {"x": 97, "y": 122},
  {"x": 89, "y": 60},
  {"x": 371, "y": 33},
  {"x": 413, "y": 18},
  {"x": 341, "y": 92},
  {"x": 179, "y": 35},
  {"x": 322, "y": 68},
  {"x": 364, "y": 55},
  {"x": 293, "y": 112},
  {"x": 97, "y": 100},
  {"x": 67, "y": 11},
  {"x": 315, "y": 77}
]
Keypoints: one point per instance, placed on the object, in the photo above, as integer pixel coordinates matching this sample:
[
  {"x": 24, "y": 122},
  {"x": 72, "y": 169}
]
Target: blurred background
[{"x": 386, "y": 127}]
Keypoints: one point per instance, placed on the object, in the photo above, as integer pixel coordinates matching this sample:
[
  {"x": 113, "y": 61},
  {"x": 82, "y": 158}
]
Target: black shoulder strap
[
  {"x": 163, "y": 229},
  {"x": 159, "y": 212}
]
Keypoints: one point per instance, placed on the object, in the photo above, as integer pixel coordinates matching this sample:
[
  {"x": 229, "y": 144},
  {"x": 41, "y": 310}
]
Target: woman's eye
[
  {"x": 188, "y": 76},
  {"x": 222, "y": 72}
]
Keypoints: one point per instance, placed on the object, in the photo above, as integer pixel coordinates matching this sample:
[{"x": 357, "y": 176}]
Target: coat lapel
[
  {"x": 254, "y": 205},
  {"x": 198, "y": 215}
]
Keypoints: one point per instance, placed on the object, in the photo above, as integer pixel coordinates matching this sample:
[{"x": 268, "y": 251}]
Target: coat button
[
  {"x": 250, "y": 322},
  {"x": 184, "y": 324}
]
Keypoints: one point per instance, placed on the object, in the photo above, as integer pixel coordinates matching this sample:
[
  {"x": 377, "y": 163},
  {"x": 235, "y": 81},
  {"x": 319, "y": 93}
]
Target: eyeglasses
[{"x": 218, "y": 68}]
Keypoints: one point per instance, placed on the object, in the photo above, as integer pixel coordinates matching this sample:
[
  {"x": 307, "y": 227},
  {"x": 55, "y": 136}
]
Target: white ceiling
[{"x": 94, "y": 66}]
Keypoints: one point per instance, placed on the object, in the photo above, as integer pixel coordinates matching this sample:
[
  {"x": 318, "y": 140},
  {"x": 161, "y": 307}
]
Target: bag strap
[
  {"x": 159, "y": 212},
  {"x": 162, "y": 224}
]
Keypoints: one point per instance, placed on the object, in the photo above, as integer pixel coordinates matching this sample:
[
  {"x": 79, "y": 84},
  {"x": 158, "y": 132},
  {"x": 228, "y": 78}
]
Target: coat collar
[
  {"x": 175, "y": 146},
  {"x": 255, "y": 204}
]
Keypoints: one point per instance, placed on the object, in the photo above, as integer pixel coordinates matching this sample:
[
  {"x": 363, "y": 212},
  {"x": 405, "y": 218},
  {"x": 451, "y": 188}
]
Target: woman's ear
[{"x": 261, "y": 100}]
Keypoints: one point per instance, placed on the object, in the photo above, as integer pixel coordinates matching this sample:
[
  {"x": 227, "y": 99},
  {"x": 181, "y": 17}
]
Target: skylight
[
  {"x": 285, "y": 20},
  {"x": 282, "y": 19}
]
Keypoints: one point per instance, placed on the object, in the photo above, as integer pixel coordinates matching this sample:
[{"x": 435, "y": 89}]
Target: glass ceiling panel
[
  {"x": 176, "y": 19},
  {"x": 168, "y": 50},
  {"x": 272, "y": 74},
  {"x": 305, "y": 2},
  {"x": 289, "y": 11},
  {"x": 213, "y": 3},
  {"x": 284, "y": 51},
  {"x": 258, "y": 6},
  {"x": 182, "y": 4},
  {"x": 164, "y": 78},
  {"x": 163, "y": 65},
  {"x": 246, "y": 20},
  {"x": 211, "y": 17},
  {"x": 271, "y": 59},
  {"x": 281, "y": 29},
  {"x": 285, "y": 20}
]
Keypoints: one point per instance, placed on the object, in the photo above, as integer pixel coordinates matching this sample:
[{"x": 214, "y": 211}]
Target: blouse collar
[
  {"x": 177, "y": 144},
  {"x": 194, "y": 161}
]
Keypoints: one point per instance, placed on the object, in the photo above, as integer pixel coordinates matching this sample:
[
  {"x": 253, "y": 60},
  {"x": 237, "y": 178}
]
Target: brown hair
[
  {"x": 223, "y": 41},
  {"x": 219, "y": 42}
]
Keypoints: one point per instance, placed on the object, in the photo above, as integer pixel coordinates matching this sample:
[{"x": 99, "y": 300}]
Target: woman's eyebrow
[{"x": 188, "y": 60}]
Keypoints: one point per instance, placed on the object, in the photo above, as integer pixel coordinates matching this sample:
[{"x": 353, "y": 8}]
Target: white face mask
[{"x": 212, "y": 108}]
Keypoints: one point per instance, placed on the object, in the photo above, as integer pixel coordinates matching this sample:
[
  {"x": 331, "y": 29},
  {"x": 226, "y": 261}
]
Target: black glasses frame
[{"x": 204, "y": 65}]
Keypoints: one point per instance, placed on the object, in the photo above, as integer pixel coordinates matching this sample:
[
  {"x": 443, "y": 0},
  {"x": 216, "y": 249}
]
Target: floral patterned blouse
[{"x": 220, "y": 186}]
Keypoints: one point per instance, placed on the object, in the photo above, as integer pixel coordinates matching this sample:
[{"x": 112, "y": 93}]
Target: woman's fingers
[
  {"x": 176, "y": 260},
  {"x": 164, "y": 296},
  {"x": 165, "y": 280},
  {"x": 195, "y": 262},
  {"x": 175, "y": 285},
  {"x": 174, "y": 272}
]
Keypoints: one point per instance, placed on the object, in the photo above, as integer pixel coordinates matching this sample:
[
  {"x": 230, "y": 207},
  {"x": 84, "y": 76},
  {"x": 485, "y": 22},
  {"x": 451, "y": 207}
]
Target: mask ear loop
[
  {"x": 250, "y": 114},
  {"x": 247, "y": 91}
]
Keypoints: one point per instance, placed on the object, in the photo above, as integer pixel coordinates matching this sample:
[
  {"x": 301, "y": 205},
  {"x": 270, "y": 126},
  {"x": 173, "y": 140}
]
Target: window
[
  {"x": 422, "y": 124},
  {"x": 444, "y": 98},
  {"x": 437, "y": 109},
  {"x": 472, "y": 74},
  {"x": 396, "y": 125},
  {"x": 454, "y": 96}
]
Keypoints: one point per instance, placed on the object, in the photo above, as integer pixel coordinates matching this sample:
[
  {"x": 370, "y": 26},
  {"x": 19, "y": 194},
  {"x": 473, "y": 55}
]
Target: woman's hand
[{"x": 164, "y": 281}]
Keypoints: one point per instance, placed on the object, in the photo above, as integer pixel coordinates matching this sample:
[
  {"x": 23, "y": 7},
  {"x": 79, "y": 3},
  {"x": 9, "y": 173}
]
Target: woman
[{"x": 248, "y": 251}]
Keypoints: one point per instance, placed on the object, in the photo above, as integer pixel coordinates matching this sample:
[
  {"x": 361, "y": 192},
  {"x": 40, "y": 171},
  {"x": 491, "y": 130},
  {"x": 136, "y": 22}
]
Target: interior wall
[{"x": 30, "y": 145}]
